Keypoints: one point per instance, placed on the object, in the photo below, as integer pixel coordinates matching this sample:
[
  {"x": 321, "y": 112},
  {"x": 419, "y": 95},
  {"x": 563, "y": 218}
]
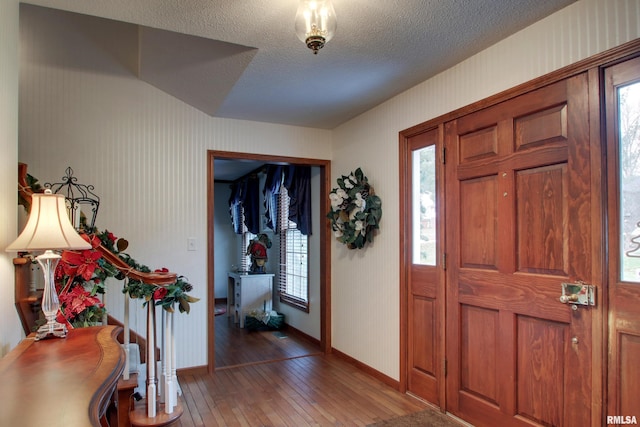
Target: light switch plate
[{"x": 191, "y": 244}]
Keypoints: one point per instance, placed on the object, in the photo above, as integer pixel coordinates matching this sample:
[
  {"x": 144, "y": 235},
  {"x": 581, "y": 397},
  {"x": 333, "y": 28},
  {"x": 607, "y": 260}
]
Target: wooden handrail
[
  {"x": 23, "y": 188},
  {"x": 155, "y": 278}
]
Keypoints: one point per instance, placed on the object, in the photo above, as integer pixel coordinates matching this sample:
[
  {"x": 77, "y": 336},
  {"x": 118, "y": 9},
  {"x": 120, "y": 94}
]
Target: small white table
[{"x": 248, "y": 292}]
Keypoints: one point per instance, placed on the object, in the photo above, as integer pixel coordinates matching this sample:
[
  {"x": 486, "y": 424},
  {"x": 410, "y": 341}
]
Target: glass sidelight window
[
  {"x": 424, "y": 205},
  {"x": 629, "y": 177}
]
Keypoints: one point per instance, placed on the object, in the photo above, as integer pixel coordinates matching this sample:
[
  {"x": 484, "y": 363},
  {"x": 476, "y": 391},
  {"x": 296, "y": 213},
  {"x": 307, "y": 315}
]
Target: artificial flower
[
  {"x": 160, "y": 293},
  {"x": 82, "y": 264},
  {"x": 335, "y": 200},
  {"x": 348, "y": 183},
  {"x": 360, "y": 202},
  {"x": 77, "y": 300}
]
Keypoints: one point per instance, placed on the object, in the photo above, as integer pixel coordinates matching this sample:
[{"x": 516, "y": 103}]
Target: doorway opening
[{"x": 320, "y": 203}]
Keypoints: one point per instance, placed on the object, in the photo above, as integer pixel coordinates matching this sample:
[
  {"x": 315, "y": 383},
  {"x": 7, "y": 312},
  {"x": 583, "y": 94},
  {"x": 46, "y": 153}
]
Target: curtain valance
[{"x": 245, "y": 196}]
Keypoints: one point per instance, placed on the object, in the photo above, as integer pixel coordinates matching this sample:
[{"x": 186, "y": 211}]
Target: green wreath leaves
[{"x": 355, "y": 210}]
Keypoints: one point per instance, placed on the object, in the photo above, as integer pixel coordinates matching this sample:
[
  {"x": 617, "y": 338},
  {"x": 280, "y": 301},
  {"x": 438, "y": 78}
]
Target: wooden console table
[{"x": 61, "y": 381}]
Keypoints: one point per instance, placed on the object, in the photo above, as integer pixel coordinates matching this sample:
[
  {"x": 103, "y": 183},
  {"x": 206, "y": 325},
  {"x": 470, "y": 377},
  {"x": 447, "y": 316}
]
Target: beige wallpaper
[
  {"x": 145, "y": 152},
  {"x": 10, "y": 328}
]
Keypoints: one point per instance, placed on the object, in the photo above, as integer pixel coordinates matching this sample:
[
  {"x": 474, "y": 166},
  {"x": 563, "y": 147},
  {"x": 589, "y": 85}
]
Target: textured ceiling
[{"x": 245, "y": 61}]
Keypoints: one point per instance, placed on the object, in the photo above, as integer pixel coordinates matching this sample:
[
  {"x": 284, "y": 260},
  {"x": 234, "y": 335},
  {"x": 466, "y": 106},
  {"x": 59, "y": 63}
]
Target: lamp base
[{"x": 51, "y": 330}]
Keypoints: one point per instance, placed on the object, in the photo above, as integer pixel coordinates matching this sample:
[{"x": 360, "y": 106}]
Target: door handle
[
  {"x": 565, "y": 299},
  {"x": 578, "y": 293}
]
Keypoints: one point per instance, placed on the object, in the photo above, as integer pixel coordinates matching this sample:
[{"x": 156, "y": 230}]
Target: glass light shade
[
  {"x": 315, "y": 23},
  {"x": 48, "y": 226}
]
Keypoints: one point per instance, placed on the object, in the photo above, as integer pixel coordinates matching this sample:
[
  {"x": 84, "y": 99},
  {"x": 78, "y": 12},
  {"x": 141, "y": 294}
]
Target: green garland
[
  {"x": 164, "y": 296},
  {"x": 355, "y": 210},
  {"x": 101, "y": 269}
]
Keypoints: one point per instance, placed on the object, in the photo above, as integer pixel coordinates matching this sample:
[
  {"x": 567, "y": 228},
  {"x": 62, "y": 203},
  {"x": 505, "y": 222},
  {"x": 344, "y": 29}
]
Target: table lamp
[{"x": 49, "y": 228}]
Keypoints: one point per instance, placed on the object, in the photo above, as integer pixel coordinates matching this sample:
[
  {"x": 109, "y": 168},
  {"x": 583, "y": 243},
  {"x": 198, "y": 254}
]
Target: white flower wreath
[{"x": 355, "y": 210}]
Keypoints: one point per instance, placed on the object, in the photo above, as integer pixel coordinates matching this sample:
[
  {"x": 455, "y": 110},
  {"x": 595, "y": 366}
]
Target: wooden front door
[
  {"x": 518, "y": 211},
  {"x": 425, "y": 293}
]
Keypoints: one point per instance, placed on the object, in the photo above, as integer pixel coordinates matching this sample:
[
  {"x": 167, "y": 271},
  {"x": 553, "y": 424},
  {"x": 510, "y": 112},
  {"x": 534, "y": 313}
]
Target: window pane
[
  {"x": 294, "y": 259},
  {"x": 424, "y": 205},
  {"x": 296, "y": 270},
  {"x": 629, "y": 125},
  {"x": 245, "y": 258}
]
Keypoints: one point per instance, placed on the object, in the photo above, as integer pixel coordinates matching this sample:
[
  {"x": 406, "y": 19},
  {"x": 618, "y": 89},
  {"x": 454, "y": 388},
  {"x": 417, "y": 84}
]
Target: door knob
[{"x": 565, "y": 299}]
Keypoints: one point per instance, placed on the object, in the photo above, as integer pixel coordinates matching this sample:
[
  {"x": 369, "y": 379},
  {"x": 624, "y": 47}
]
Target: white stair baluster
[
  {"x": 126, "y": 338},
  {"x": 151, "y": 360},
  {"x": 168, "y": 362}
]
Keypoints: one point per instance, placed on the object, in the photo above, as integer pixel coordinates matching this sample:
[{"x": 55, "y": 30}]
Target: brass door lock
[{"x": 578, "y": 293}]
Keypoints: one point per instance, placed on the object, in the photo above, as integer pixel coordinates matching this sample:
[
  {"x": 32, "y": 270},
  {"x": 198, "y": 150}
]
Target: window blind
[{"x": 294, "y": 263}]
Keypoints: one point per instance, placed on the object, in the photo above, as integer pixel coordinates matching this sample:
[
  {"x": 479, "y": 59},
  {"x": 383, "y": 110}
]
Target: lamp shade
[{"x": 48, "y": 226}]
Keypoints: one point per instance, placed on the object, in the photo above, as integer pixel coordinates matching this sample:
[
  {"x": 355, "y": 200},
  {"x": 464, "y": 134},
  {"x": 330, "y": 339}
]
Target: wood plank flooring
[
  {"x": 306, "y": 391},
  {"x": 284, "y": 382},
  {"x": 236, "y": 346}
]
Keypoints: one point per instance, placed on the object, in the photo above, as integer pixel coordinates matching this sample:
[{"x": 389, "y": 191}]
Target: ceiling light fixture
[{"x": 315, "y": 23}]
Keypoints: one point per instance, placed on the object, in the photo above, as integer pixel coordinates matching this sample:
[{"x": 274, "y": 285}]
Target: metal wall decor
[{"x": 80, "y": 198}]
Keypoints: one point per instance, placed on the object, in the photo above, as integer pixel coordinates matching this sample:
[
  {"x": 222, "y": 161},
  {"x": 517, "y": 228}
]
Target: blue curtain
[
  {"x": 297, "y": 181},
  {"x": 251, "y": 203},
  {"x": 235, "y": 207},
  {"x": 271, "y": 192},
  {"x": 245, "y": 195}
]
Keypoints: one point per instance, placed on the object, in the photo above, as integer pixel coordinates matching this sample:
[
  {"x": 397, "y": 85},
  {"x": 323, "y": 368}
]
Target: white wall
[
  {"x": 365, "y": 292},
  {"x": 10, "y": 328}
]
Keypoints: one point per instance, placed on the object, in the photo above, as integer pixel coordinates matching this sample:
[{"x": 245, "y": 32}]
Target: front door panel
[
  {"x": 425, "y": 293},
  {"x": 518, "y": 226}
]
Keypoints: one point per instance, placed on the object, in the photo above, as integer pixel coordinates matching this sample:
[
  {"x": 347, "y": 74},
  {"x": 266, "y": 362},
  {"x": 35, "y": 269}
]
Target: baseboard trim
[
  {"x": 194, "y": 370},
  {"x": 367, "y": 369},
  {"x": 300, "y": 334}
]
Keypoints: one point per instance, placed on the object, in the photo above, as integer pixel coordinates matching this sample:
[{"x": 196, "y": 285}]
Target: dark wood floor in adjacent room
[
  {"x": 264, "y": 380},
  {"x": 237, "y": 346}
]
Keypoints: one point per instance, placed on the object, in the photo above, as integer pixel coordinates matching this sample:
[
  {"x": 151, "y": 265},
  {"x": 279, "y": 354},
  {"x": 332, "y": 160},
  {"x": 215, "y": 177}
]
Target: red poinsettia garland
[
  {"x": 77, "y": 301},
  {"x": 80, "y": 280},
  {"x": 77, "y": 271}
]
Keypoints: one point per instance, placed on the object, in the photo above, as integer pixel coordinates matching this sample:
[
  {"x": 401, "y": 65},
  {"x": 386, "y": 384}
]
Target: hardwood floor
[
  {"x": 236, "y": 346},
  {"x": 284, "y": 382},
  {"x": 306, "y": 391}
]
